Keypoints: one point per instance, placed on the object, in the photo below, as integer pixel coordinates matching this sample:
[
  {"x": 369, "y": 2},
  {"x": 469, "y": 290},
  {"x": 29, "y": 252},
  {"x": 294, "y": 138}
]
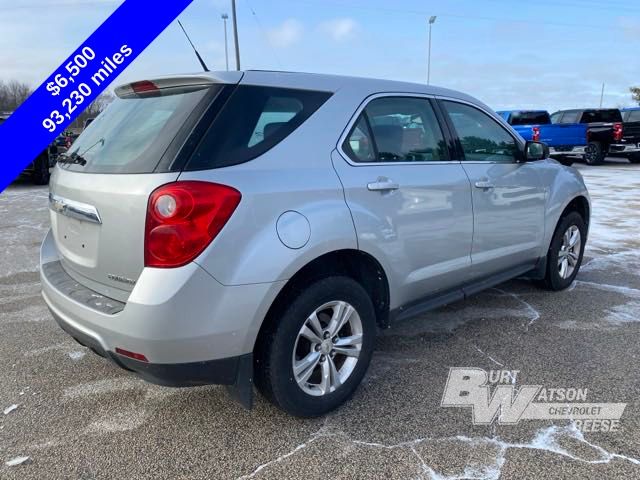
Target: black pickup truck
[
  {"x": 629, "y": 146},
  {"x": 38, "y": 170},
  {"x": 605, "y": 133}
]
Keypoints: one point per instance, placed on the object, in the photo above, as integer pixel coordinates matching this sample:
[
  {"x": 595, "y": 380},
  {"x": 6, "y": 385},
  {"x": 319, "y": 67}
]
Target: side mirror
[{"x": 535, "y": 151}]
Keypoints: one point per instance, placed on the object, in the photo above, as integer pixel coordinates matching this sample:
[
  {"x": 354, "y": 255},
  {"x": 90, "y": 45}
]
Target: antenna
[{"x": 204, "y": 65}]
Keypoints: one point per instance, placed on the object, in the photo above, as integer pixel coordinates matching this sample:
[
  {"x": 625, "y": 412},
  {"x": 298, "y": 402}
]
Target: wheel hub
[{"x": 326, "y": 346}]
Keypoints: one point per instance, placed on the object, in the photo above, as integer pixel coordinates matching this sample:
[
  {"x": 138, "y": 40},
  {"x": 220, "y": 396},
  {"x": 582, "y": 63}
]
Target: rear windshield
[
  {"x": 133, "y": 133},
  {"x": 601, "y": 116},
  {"x": 529, "y": 118},
  {"x": 254, "y": 120}
]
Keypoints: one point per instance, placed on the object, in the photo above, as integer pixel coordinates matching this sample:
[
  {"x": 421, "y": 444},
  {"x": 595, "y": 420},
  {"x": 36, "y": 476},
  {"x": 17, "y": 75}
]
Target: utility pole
[
  {"x": 226, "y": 45},
  {"x": 235, "y": 33},
  {"x": 602, "y": 95},
  {"x": 432, "y": 20}
]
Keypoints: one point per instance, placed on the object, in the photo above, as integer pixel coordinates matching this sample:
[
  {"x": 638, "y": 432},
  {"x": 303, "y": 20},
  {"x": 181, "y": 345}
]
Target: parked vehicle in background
[
  {"x": 604, "y": 130},
  {"x": 226, "y": 226},
  {"x": 38, "y": 170},
  {"x": 629, "y": 147},
  {"x": 536, "y": 125}
]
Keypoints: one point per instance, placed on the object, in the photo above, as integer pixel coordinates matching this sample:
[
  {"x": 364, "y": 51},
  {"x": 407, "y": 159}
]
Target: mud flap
[{"x": 242, "y": 389}]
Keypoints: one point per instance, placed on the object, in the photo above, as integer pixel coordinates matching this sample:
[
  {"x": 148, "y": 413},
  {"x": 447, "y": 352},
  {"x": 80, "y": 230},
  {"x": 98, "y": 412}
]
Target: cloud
[
  {"x": 630, "y": 28},
  {"x": 289, "y": 32},
  {"x": 339, "y": 28}
]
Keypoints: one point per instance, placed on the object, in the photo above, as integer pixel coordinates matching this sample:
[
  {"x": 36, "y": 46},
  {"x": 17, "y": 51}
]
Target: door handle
[
  {"x": 382, "y": 185},
  {"x": 484, "y": 184}
]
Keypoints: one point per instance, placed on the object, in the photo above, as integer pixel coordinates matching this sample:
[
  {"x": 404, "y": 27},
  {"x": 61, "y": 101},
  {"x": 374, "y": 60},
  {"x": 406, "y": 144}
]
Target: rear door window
[
  {"x": 254, "y": 120},
  {"x": 359, "y": 145},
  {"x": 404, "y": 129},
  {"x": 569, "y": 117},
  {"x": 133, "y": 133},
  {"x": 555, "y": 118}
]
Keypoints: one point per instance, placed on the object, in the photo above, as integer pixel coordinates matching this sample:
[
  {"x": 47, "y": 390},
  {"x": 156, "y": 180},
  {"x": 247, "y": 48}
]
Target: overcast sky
[{"x": 511, "y": 54}]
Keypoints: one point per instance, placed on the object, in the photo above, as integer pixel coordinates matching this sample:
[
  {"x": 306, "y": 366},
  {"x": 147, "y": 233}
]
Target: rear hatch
[{"x": 101, "y": 186}]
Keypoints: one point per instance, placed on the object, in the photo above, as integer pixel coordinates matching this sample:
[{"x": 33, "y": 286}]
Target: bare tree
[
  {"x": 635, "y": 94},
  {"x": 12, "y": 94},
  {"x": 94, "y": 109}
]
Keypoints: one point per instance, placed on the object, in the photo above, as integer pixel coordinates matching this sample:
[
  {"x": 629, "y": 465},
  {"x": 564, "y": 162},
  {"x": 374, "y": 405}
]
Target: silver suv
[{"x": 250, "y": 226}]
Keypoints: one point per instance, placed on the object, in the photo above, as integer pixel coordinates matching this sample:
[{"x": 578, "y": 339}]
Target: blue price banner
[{"x": 80, "y": 79}]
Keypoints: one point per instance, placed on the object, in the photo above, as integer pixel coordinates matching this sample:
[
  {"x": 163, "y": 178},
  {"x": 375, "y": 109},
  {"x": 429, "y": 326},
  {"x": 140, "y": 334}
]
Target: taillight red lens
[
  {"x": 536, "y": 134},
  {"x": 618, "y": 131},
  {"x": 183, "y": 218}
]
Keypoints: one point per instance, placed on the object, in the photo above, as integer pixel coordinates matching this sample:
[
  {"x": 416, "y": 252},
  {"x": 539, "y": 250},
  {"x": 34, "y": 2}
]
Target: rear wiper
[{"x": 72, "y": 160}]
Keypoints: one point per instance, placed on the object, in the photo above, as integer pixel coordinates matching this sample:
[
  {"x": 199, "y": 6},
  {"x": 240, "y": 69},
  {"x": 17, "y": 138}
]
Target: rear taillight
[
  {"x": 618, "y": 131},
  {"x": 183, "y": 218},
  {"x": 536, "y": 134}
]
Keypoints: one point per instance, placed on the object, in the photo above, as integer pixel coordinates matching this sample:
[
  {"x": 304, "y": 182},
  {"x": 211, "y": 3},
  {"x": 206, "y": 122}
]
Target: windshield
[{"x": 133, "y": 133}]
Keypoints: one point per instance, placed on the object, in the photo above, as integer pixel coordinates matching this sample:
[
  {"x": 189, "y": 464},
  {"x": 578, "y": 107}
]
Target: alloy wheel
[
  {"x": 327, "y": 348},
  {"x": 569, "y": 253}
]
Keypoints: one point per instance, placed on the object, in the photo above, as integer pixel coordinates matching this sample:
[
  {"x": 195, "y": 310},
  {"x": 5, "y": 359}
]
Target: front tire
[
  {"x": 634, "y": 158},
  {"x": 565, "y": 252},
  {"x": 312, "y": 357}
]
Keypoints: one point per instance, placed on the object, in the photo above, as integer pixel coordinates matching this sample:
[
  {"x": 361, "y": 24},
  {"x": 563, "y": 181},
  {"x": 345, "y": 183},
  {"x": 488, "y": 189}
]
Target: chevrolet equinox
[{"x": 258, "y": 227}]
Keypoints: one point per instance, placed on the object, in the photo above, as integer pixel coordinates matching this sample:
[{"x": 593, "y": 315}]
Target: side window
[
  {"x": 277, "y": 112},
  {"x": 570, "y": 117},
  {"x": 252, "y": 121},
  {"x": 555, "y": 118},
  {"x": 359, "y": 145},
  {"x": 482, "y": 138},
  {"x": 404, "y": 129},
  {"x": 633, "y": 116}
]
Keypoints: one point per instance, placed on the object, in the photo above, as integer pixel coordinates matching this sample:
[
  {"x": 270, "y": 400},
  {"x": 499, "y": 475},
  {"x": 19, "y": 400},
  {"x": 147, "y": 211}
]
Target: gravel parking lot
[{"x": 77, "y": 416}]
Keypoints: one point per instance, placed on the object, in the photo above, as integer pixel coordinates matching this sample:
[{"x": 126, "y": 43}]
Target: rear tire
[
  {"x": 594, "y": 153},
  {"x": 565, "y": 252},
  {"x": 331, "y": 377}
]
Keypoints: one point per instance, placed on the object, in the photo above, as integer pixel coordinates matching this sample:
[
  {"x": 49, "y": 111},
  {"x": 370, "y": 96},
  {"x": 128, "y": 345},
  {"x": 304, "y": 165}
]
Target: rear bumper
[
  {"x": 224, "y": 371},
  {"x": 559, "y": 151},
  {"x": 192, "y": 329},
  {"x": 624, "y": 148}
]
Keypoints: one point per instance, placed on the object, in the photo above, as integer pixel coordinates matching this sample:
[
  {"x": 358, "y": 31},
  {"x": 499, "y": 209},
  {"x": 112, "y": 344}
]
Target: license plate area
[{"x": 77, "y": 240}]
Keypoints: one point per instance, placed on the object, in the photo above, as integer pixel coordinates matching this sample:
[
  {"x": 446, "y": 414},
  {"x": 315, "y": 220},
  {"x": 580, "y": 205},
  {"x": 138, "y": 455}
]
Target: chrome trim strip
[{"x": 73, "y": 209}]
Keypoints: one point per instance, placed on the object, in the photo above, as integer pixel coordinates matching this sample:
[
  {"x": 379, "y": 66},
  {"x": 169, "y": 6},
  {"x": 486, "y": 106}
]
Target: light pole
[
  {"x": 226, "y": 46},
  {"x": 432, "y": 20},
  {"x": 602, "y": 95},
  {"x": 235, "y": 33}
]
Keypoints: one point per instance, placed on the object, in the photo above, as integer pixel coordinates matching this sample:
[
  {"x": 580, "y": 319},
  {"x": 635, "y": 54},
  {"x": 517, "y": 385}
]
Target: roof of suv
[{"x": 315, "y": 81}]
